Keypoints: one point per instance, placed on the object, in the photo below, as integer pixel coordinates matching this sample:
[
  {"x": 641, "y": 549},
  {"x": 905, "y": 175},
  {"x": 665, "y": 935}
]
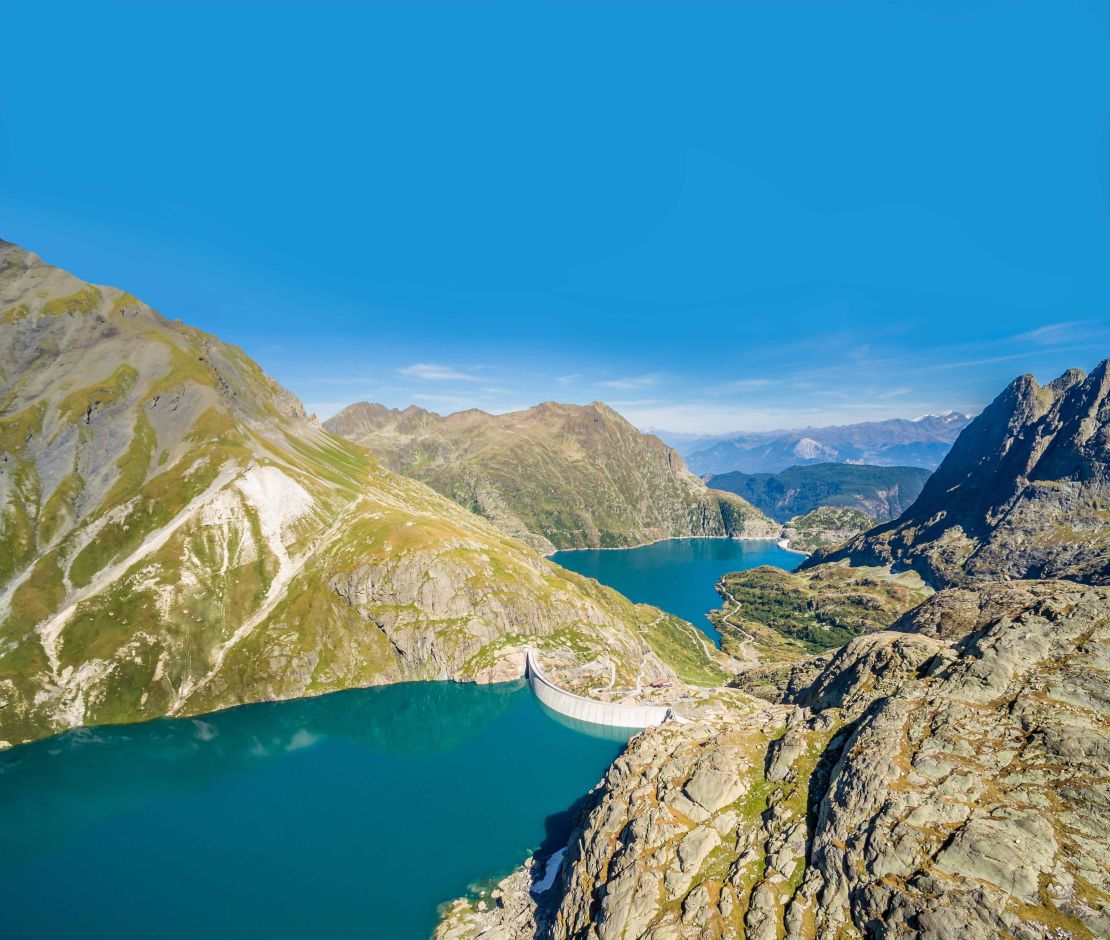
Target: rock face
[
  {"x": 936, "y": 784},
  {"x": 177, "y": 536},
  {"x": 1024, "y": 493},
  {"x": 879, "y": 493},
  {"x": 554, "y": 476},
  {"x": 897, "y": 442}
]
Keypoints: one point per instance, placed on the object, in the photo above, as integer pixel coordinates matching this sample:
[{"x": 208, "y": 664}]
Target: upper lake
[
  {"x": 352, "y": 814},
  {"x": 677, "y": 575}
]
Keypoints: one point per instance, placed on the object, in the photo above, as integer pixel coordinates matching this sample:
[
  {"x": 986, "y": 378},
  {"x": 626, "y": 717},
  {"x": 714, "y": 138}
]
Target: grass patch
[{"x": 678, "y": 645}]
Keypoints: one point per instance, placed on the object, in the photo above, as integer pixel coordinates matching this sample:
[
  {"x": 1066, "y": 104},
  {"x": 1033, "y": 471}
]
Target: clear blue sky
[{"x": 712, "y": 216}]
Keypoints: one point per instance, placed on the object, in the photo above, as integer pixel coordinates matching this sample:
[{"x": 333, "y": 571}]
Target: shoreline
[{"x": 674, "y": 538}]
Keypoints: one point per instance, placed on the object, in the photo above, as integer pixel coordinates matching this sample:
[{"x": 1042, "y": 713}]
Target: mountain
[
  {"x": 1024, "y": 493},
  {"x": 915, "y": 783},
  {"x": 897, "y": 442},
  {"x": 177, "y": 536},
  {"x": 878, "y": 492},
  {"x": 685, "y": 442},
  {"x": 554, "y": 476}
]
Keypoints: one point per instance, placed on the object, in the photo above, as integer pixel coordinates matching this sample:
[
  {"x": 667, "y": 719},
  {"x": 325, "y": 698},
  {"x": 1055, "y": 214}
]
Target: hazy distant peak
[{"x": 921, "y": 442}]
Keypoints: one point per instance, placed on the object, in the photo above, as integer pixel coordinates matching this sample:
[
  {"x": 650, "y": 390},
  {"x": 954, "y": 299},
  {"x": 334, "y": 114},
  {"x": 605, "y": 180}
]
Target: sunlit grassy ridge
[{"x": 556, "y": 475}]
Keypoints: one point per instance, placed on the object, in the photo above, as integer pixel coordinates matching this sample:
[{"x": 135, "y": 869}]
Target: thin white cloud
[
  {"x": 1052, "y": 333},
  {"x": 567, "y": 379},
  {"x": 636, "y": 381},
  {"x": 744, "y": 385},
  {"x": 431, "y": 372}
]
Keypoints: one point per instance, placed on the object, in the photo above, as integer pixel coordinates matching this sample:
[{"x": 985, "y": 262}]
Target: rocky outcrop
[
  {"x": 773, "y": 613},
  {"x": 824, "y": 528},
  {"x": 1024, "y": 493},
  {"x": 176, "y": 536},
  {"x": 554, "y": 476},
  {"x": 945, "y": 783}
]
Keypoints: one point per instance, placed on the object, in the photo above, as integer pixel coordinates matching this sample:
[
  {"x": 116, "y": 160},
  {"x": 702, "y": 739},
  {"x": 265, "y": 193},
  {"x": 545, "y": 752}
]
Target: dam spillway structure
[{"x": 578, "y": 708}]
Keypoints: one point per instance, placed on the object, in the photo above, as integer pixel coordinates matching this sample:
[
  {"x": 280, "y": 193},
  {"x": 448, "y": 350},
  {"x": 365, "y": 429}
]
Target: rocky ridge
[{"x": 554, "y": 476}]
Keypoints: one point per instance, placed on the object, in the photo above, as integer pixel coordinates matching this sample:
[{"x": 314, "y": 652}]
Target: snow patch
[{"x": 554, "y": 863}]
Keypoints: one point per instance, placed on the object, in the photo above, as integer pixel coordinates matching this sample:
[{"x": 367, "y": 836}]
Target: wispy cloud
[
  {"x": 744, "y": 385},
  {"x": 1052, "y": 333},
  {"x": 636, "y": 381},
  {"x": 431, "y": 372},
  {"x": 567, "y": 379}
]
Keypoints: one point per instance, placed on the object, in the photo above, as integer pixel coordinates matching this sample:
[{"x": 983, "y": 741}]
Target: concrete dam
[{"x": 580, "y": 708}]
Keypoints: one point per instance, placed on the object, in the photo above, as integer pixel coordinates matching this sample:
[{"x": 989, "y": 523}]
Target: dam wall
[{"x": 608, "y": 714}]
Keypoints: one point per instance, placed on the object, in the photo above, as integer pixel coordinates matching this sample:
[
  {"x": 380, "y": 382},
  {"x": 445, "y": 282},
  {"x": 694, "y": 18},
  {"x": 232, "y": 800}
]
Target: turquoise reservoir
[
  {"x": 353, "y": 814},
  {"x": 677, "y": 575}
]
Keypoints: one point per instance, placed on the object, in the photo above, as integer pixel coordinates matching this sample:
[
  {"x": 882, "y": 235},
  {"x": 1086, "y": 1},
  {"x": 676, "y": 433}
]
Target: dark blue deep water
[
  {"x": 353, "y": 814},
  {"x": 676, "y": 575}
]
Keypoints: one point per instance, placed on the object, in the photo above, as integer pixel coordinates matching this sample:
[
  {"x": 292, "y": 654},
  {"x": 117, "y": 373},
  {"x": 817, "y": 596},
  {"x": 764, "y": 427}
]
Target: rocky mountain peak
[{"x": 1024, "y": 492}]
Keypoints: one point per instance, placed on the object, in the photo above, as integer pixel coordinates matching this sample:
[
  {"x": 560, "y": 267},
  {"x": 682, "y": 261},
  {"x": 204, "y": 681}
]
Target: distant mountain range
[
  {"x": 920, "y": 442},
  {"x": 877, "y": 492},
  {"x": 555, "y": 475}
]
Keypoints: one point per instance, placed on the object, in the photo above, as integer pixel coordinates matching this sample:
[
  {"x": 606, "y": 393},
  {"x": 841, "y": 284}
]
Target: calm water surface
[
  {"x": 352, "y": 814},
  {"x": 677, "y": 575}
]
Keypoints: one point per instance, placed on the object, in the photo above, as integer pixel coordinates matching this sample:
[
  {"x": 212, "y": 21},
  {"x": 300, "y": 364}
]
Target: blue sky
[{"x": 712, "y": 216}]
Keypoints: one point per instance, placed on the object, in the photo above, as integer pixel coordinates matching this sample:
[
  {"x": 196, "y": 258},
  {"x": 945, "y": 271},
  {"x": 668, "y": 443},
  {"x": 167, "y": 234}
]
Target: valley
[
  {"x": 555, "y": 471},
  {"x": 181, "y": 538}
]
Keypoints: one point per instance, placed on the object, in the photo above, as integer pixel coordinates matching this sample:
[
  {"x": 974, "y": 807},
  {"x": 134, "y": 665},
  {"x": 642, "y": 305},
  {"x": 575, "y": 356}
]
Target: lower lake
[
  {"x": 352, "y": 814},
  {"x": 677, "y": 575},
  {"x": 356, "y": 813}
]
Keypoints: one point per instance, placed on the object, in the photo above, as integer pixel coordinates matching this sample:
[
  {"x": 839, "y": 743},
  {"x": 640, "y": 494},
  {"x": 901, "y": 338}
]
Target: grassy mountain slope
[
  {"x": 878, "y": 492},
  {"x": 177, "y": 536},
  {"x": 556, "y": 476}
]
